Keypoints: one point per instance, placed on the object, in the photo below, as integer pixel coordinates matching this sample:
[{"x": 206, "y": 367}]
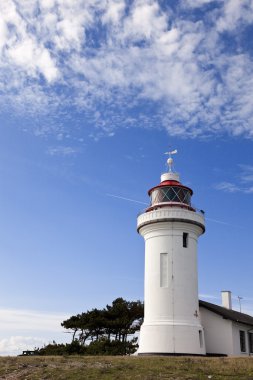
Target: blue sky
[{"x": 92, "y": 93}]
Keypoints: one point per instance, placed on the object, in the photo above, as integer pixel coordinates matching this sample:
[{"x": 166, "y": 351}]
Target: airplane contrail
[
  {"x": 127, "y": 199},
  {"x": 147, "y": 204},
  {"x": 221, "y": 222},
  {"x": 218, "y": 221}
]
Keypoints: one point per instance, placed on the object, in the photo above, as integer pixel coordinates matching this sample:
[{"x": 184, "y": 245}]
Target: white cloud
[
  {"x": 24, "y": 329},
  {"x": 114, "y": 12},
  {"x": 197, "y": 3},
  {"x": 106, "y": 58},
  {"x": 30, "y": 320},
  {"x": 145, "y": 21},
  {"x": 235, "y": 12},
  {"x": 246, "y": 174},
  {"x": 227, "y": 187},
  {"x": 244, "y": 178},
  {"x": 47, "y": 4},
  {"x": 16, "y": 344},
  {"x": 61, "y": 151},
  {"x": 3, "y": 32},
  {"x": 28, "y": 55}
]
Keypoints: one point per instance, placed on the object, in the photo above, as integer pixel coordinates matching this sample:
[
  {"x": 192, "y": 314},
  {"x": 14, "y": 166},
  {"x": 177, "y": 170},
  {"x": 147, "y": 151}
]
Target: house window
[
  {"x": 164, "y": 281},
  {"x": 251, "y": 343},
  {"x": 200, "y": 338},
  {"x": 242, "y": 341},
  {"x": 185, "y": 239}
]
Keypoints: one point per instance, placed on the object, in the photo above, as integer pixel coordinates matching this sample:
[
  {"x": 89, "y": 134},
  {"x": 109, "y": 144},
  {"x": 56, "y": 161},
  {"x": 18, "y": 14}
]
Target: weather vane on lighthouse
[{"x": 170, "y": 159}]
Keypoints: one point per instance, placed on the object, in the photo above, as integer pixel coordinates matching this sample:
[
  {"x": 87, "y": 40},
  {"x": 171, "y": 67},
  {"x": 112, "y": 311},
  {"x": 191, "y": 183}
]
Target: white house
[{"x": 227, "y": 332}]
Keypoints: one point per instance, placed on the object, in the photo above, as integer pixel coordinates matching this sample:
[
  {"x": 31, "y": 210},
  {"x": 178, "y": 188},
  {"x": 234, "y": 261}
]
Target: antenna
[
  {"x": 239, "y": 299},
  {"x": 170, "y": 159}
]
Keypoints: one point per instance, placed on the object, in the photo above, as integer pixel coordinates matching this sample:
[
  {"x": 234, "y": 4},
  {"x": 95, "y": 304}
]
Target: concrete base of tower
[{"x": 176, "y": 339}]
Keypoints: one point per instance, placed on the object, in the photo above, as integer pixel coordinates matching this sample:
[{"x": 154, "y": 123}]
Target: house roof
[{"x": 233, "y": 315}]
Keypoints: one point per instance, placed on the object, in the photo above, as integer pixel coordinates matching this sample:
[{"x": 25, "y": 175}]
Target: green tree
[
  {"x": 109, "y": 331},
  {"x": 72, "y": 324},
  {"x": 124, "y": 318}
]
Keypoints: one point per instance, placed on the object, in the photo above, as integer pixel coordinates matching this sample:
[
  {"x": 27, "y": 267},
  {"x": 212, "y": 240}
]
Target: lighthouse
[{"x": 171, "y": 227}]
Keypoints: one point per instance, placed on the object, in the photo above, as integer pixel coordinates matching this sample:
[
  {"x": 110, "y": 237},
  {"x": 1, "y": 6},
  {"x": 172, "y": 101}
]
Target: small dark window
[
  {"x": 200, "y": 338},
  {"x": 185, "y": 239},
  {"x": 251, "y": 343},
  {"x": 242, "y": 341}
]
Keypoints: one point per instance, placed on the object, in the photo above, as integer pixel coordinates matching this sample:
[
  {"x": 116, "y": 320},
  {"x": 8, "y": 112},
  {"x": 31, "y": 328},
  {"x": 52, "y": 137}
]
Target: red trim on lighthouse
[{"x": 170, "y": 183}]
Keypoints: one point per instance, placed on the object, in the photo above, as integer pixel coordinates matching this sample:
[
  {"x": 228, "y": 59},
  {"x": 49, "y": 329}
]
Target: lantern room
[{"x": 170, "y": 192}]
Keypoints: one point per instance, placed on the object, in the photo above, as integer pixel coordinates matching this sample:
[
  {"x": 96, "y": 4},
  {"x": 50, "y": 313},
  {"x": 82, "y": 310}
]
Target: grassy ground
[{"x": 125, "y": 368}]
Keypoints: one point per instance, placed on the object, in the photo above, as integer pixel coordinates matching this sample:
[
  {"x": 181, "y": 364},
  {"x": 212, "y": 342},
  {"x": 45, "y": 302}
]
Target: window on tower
[
  {"x": 185, "y": 239},
  {"x": 164, "y": 281}
]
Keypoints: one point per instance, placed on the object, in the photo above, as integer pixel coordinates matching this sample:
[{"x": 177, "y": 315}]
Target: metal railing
[{"x": 161, "y": 205}]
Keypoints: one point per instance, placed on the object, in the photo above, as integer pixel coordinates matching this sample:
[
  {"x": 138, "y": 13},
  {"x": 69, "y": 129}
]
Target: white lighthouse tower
[{"x": 170, "y": 227}]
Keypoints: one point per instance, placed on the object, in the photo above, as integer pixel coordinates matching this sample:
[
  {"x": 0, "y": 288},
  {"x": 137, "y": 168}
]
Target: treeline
[{"x": 108, "y": 331}]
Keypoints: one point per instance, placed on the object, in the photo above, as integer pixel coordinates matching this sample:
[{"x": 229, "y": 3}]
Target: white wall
[
  {"x": 236, "y": 338},
  {"x": 222, "y": 336},
  {"x": 218, "y": 333}
]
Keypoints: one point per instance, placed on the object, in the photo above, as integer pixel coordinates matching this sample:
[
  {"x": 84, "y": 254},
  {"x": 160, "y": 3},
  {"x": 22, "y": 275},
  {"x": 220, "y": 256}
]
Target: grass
[{"x": 125, "y": 368}]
